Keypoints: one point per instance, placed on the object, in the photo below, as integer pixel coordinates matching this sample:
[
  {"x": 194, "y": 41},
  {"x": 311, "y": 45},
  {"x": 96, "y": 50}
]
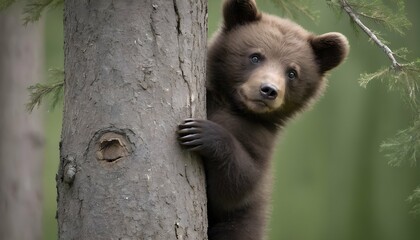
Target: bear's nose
[{"x": 268, "y": 91}]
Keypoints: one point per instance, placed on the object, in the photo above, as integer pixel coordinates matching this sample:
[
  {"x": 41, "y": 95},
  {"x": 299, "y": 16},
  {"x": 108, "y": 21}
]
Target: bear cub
[{"x": 261, "y": 71}]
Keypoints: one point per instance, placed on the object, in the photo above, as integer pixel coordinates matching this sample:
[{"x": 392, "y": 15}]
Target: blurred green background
[{"x": 331, "y": 181}]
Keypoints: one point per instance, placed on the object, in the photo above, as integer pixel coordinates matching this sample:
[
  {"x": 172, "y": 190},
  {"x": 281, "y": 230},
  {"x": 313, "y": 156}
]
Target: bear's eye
[
  {"x": 255, "y": 58},
  {"x": 291, "y": 74}
]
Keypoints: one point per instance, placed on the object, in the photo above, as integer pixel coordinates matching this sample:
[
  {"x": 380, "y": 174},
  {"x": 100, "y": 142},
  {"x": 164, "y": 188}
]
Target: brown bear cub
[{"x": 262, "y": 70}]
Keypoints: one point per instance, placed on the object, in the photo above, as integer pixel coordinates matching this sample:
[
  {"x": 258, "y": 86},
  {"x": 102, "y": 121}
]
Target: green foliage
[
  {"x": 415, "y": 198},
  {"x": 377, "y": 12},
  {"x": 295, "y": 8},
  {"x": 32, "y": 8},
  {"x": 5, "y": 3},
  {"x": 32, "y": 11},
  {"x": 404, "y": 79},
  {"x": 405, "y": 146},
  {"x": 53, "y": 89},
  {"x": 401, "y": 77}
]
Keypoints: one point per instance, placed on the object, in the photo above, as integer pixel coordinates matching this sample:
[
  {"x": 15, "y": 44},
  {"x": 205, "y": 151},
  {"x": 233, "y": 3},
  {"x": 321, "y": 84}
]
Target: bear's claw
[{"x": 189, "y": 134}]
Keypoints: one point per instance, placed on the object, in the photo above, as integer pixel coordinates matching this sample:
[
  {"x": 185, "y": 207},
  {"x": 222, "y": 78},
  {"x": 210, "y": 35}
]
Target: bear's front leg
[{"x": 232, "y": 173}]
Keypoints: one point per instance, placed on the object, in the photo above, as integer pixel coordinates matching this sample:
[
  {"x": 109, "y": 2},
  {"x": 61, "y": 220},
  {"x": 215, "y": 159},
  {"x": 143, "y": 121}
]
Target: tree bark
[
  {"x": 133, "y": 71},
  {"x": 21, "y": 141}
]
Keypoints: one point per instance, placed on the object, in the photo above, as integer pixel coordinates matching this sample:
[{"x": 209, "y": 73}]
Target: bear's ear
[
  {"x": 330, "y": 50},
  {"x": 239, "y": 12}
]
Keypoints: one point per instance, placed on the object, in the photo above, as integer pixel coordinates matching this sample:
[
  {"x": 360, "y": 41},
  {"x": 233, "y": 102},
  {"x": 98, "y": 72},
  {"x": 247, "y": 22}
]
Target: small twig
[
  {"x": 39, "y": 91},
  {"x": 346, "y": 6}
]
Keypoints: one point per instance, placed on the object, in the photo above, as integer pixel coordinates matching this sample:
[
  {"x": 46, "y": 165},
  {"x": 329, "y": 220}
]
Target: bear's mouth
[
  {"x": 254, "y": 103},
  {"x": 258, "y": 105},
  {"x": 260, "y": 102}
]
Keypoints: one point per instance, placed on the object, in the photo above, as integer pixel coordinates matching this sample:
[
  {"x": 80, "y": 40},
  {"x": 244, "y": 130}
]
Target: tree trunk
[
  {"x": 133, "y": 71},
  {"x": 21, "y": 141}
]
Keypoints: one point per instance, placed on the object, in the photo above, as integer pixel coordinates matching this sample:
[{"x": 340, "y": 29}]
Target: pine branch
[
  {"x": 375, "y": 11},
  {"x": 401, "y": 76},
  {"x": 404, "y": 77},
  {"x": 404, "y": 80},
  {"x": 354, "y": 16},
  {"x": 54, "y": 89},
  {"x": 34, "y": 8},
  {"x": 5, "y": 4},
  {"x": 415, "y": 197},
  {"x": 297, "y": 7},
  {"x": 404, "y": 146}
]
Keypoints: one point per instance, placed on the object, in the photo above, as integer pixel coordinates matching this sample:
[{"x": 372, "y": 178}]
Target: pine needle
[
  {"x": 405, "y": 79},
  {"x": 34, "y": 8},
  {"x": 415, "y": 198},
  {"x": 402, "y": 76},
  {"x": 405, "y": 146},
  {"x": 293, "y": 9},
  {"x": 376, "y": 12},
  {"x": 53, "y": 89},
  {"x": 5, "y": 4}
]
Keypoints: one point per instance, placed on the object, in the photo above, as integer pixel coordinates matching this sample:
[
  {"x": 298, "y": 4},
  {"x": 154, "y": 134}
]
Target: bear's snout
[{"x": 269, "y": 91}]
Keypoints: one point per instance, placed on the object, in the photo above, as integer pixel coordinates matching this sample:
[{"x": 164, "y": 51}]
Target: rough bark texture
[
  {"x": 21, "y": 139},
  {"x": 133, "y": 71}
]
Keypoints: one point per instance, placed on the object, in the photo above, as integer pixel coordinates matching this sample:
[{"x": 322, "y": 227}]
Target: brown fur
[{"x": 248, "y": 101}]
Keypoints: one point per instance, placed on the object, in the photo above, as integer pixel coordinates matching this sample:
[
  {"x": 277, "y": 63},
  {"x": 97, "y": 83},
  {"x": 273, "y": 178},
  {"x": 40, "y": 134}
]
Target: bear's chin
[{"x": 258, "y": 105}]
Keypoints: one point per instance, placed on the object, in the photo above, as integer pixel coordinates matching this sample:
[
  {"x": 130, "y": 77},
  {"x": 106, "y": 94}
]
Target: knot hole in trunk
[{"x": 112, "y": 147}]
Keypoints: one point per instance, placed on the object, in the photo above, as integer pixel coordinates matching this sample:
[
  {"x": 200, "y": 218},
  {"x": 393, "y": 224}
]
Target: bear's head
[{"x": 269, "y": 66}]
